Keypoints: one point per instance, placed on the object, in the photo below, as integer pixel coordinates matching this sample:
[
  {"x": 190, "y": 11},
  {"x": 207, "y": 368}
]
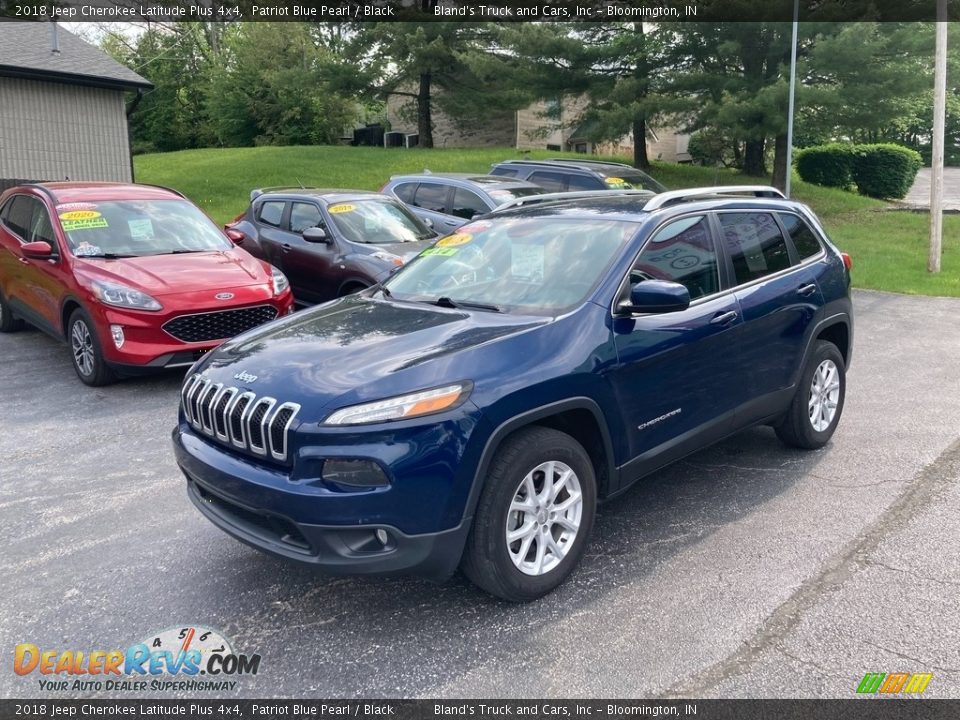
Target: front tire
[
  {"x": 818, "y": 403},
  {"x": 86, "y": 351},
  {"x": 534, "y": 516}
]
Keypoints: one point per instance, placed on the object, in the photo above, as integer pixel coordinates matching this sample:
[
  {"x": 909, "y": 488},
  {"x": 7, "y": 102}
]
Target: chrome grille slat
[
  {"x": 255, "y": 427},
  {"x": 294, "y": 408},
  {"x": 236, "y": 417},
  {"x": 219, "y": 405}
]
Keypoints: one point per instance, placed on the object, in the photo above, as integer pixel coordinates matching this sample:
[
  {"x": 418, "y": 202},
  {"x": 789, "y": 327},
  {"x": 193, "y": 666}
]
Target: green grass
[{"x": 889, "y": 249}]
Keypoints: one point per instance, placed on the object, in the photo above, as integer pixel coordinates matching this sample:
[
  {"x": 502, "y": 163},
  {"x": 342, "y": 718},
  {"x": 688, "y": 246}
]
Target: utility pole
[
  {"x": 936, "y": 159},
  {"x": 793, "y": 88}
]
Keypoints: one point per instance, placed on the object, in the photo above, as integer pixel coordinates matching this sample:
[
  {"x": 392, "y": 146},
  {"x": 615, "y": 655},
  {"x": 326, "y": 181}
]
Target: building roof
[{"x": 26, "y": 50}]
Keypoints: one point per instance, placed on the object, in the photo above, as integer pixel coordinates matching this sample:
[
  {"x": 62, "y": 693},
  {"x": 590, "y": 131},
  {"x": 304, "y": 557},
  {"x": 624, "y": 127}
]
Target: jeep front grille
[{"x": 258, "y": 425}]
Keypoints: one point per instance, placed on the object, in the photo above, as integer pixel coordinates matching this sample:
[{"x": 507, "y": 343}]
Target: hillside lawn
[{"x": 889, "y": 248}]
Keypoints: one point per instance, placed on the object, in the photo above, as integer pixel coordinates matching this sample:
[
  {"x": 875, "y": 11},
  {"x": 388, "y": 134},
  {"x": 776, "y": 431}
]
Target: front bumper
[
  {"x": 148, "y": 347},
  {"x": 283, "y": 512}
]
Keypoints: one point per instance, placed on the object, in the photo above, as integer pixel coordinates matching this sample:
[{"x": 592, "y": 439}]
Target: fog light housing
[
  {"x": 354, "y": 473},
  {"x": 116, "y": 332}
]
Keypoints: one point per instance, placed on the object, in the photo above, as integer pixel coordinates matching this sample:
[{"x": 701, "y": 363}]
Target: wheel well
[
  {"x": 839, "y": 335},
  {"x": 582, "y": 425},
  {"x": 68, "y": 307},
  {"x": 352, "y": 286}
]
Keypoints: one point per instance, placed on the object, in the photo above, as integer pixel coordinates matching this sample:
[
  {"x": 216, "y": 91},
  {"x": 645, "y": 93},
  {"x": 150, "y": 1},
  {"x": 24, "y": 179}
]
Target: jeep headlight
[{"x": 402, "y": 407}]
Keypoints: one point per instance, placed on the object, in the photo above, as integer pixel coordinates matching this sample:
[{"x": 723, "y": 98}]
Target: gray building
[{"x": 62, "y": 107}]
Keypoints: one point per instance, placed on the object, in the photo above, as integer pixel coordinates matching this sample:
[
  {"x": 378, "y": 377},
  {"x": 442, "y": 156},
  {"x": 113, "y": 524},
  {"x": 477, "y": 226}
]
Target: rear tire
[
  {"x": 528, "y": 535},
  {"x": 86, "y": 351},
  {"x": 818, "y": 403},
  {"x": 8, "y": 321}
]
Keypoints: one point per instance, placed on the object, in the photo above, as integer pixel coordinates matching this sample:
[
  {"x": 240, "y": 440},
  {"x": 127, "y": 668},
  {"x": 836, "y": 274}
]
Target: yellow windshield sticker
[
  {"x": 91, "y": 224},
  {"x": 454, "y": 240},
  {"x": 79, "y": 215},
  {"x": 615, "y": 181},
  {"x": 341, "y": 208}
]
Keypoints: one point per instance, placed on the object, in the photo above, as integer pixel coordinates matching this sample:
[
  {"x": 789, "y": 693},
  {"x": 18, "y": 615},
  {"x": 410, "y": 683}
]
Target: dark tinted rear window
[
  {"x": 755, "y": 244},
  {"x": 804, "y": 239},
  {"x": 431, "y": 196}
]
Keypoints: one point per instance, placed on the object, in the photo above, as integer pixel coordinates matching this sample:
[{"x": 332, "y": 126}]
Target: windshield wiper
[
  {"x": 179, "y": 252},
  {"x": 107, "y": 256},
  {"x": 444, "y": 301}
]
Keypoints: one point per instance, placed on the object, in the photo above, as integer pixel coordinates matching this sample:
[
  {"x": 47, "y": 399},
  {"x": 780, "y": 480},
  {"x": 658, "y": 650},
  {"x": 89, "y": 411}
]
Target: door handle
[
  {"x": 807, "y": 290},
  {"x": 724, "y": 318},
  {"x": 23, "y": 260},
  {"x": 287, "y": 247}
]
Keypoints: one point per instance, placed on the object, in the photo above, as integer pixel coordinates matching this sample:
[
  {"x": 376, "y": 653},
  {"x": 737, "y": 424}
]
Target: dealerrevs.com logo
[{"x": 177, "y": 659}]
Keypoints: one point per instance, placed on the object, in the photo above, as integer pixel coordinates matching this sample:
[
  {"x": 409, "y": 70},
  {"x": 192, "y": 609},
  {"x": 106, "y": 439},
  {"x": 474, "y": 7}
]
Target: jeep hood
[{"x": 357, "y": 348}]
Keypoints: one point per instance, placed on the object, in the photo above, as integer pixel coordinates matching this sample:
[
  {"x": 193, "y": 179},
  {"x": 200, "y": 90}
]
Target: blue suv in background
[{"x": 473, "y": 408}]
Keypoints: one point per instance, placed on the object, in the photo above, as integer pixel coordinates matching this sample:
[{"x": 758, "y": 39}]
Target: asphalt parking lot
[{"x": 746, "y": 570}]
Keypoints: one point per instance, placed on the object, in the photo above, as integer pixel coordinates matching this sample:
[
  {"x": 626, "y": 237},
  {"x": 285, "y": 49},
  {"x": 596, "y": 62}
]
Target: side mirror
[
  {"x": 427, "y": 221},
  {"x": 37, "y": 250},
  {"x": 656, "y": 296},
  {"x": 235, "y": 236},
  {"x": 316, "y": 235}
]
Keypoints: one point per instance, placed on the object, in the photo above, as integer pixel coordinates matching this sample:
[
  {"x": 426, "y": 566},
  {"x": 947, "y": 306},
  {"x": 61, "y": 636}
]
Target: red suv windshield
[{"x": 135, "y": 228}]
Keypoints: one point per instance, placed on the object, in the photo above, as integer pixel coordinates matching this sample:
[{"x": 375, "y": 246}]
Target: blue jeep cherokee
[{"x": 474, "y": 408}]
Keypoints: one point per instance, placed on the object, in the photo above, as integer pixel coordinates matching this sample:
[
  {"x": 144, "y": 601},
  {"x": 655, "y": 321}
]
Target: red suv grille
[{"x": 218, "y": 325}]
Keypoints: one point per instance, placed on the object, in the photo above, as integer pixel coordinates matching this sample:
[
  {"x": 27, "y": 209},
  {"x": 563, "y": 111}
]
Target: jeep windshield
[
  {"x": 539, "y": 265},
  {"x": 137, "y": 228},
  {"x": 377, "y": 222}
]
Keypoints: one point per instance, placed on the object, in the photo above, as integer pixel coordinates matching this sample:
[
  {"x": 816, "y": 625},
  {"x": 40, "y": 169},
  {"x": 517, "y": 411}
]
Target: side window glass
[
  {"x": 584, "y": 182},
  {"x": 431, "y": 196},
  {"x": 467, "y": 204},
  {"x": 682, "y": 252},
  {"x": 804, "y": 239},
  {"x": 303, "y": 216},
  {"x": 20, "y": 216},
  {"x": 755, "y": 244},
  {"x": 405, "y": 191},
  {"x": 506, "y": 172},
  {"x": 549, "y": 181},
  {"x": 271, "y": 212},
  {"x": 41, "y": 230}
]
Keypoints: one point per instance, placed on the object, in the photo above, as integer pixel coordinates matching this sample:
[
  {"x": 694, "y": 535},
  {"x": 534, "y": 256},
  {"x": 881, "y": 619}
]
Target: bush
[
  {"x": 885, "y": 171},
  {"x": 830, "y": 165},
  {"x": 707, "y": 148}
]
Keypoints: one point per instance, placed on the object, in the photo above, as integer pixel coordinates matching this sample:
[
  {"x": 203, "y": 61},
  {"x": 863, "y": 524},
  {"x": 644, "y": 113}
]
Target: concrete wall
[{"x": 54, "y": 131}]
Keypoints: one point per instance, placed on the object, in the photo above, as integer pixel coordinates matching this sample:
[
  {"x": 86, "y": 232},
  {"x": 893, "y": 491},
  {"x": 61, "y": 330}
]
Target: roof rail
[
  {"x": 676, "y": 196},
  {"x": 575, "y": 195},
  {"x": 257, "y": 192},
  {"x": 594, "y": 162}
]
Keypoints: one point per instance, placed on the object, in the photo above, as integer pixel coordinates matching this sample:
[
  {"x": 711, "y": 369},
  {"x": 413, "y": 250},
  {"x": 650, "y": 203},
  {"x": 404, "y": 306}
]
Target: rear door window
[
  {"x": 20, "y": 216},
  {"x": 271, "y": 212},
  {"x": 431, "y": 196},
  {"x": 755, "y": 245},
  {"x": 804, "y": 239},
  {"x": 549, "y": 181}
]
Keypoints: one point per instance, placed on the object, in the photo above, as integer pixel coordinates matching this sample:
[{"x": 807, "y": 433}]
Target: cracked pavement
[{"x": 746, "y": 570}]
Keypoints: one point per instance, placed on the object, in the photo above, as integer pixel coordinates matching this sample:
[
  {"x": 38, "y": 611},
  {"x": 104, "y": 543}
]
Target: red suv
[{"x": 133, "y": 277}]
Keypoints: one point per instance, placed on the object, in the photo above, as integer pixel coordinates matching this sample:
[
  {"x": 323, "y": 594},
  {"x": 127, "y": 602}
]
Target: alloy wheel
[
  {"x": 544, "y": 517},
  {"x": 824, "y": 395},
  {"x": 82, "y": 343}
]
